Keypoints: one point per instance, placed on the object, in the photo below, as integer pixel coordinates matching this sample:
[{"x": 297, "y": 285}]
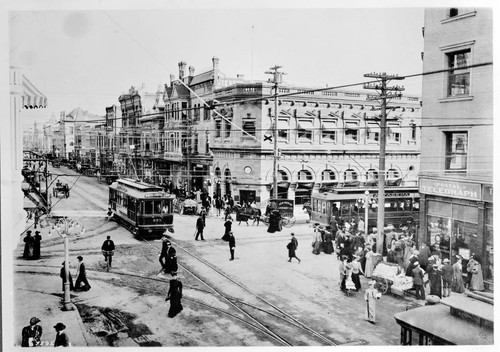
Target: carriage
[
  {"x": 61, "y": 189},
  {"x": 390, "y": 277},
  {"x": 285, "y": 208},
  {"x": 189, "y": 207}
]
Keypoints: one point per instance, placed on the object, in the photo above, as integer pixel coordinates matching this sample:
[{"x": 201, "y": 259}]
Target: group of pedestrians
[
  {"x": 31, "y": 335},
  {"x": 32, "y": 245}
]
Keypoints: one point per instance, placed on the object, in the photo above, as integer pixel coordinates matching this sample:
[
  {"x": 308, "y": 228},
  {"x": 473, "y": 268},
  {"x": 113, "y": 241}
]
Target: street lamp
[{"x": 65, "y": 227}]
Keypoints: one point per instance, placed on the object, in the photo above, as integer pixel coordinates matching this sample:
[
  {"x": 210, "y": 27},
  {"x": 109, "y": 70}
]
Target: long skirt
[
  {"x": 175, "y": 307},
  {"x": 355, "y": 279},
  {"x": 317, "y": 247}
]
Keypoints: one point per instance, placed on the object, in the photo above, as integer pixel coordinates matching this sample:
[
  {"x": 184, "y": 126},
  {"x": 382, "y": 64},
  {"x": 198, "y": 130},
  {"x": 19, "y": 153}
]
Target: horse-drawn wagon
[{"x": 61, "y": 189}]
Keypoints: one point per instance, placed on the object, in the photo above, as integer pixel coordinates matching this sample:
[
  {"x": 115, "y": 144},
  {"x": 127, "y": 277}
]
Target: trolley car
[
  {"x": 401, "y": 206},
  {"x": 143, "y": 208}
]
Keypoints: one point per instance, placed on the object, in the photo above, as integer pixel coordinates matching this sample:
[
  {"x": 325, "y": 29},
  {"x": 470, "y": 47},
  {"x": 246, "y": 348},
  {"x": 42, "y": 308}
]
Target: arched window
[
  {"x": 282, "y": 176},
  {"x": 328, "y": 175},
  {"x": 305, "y": 176},
  {"x": 392, "y": 174},
  {"x": 218, "y": 173},
  {"x": 371, "y": 177},
  {"x": 350, "y": 175}
]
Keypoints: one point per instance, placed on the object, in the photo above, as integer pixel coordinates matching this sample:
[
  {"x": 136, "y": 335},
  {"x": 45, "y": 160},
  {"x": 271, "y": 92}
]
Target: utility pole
[
  {"x": 277, "y": 78},
  {"x": 384, "y": 94}
]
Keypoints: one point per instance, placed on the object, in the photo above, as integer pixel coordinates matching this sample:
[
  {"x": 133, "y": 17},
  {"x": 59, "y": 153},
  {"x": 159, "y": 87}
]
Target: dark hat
[
  {"x": 28, "y": 232},
  {"x": 79, "y": 257},
  {"x": 34, "y": 320},
  {"x": 59, "y": 326},
  {"x": 37, "y": 232}
]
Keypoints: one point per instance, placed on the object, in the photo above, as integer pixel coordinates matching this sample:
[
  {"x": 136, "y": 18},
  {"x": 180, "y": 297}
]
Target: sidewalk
[{"x": 45, "y": 303}]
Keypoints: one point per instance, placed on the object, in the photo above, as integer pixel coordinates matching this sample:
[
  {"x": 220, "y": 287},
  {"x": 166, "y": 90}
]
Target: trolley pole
[
  {"x": 384, "y": 94},
  {"x": 277, "y": 76}
]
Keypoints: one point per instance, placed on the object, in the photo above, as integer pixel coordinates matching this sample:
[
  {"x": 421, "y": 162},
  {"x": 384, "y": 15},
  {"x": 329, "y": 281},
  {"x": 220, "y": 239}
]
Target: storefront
[{"x": 457, "y": 218}]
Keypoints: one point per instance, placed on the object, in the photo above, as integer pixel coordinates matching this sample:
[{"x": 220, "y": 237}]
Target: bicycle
[{"x": 107, "y": 258}]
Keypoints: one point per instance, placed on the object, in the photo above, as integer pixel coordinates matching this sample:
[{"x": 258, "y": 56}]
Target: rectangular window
[
  {"x": 218, "y": 128},
  {"x": 372, "y": 133},
  {"x": 393, "y": 135},
  {"x": 351, "y": 132},
  {"x": 283, "y": 130},
  {"x": 456, "y": 151},
  {"x": 304, "y": 131},
  {"x": 459, "y": 73},
  {"x": 249, "y": 128},
  {"x": 227, "y": 129},
  {"x": 413, "y": 131},
  {"x": 328, "y": 132}
]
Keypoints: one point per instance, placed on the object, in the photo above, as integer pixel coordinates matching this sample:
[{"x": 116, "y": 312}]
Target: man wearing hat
[
  {"x": 81, "y": 275},
  {"x": 371, "y": 296},
  {"x": 447, "y": 277},
  {"x": 37, "y": 239},
  {"x": 61, "y": 337},
  {"x": 418, "y": 280},
  {"x": 108, "y": 246},
  {"x": 29, "y": 244},
  {"x": 169, "y": 253},
  {"x": 62, "y": 275},
  {"x": 31, "y": 334}
]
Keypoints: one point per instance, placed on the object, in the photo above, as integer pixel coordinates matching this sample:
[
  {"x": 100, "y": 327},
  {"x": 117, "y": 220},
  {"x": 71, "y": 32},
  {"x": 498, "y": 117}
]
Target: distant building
[{"x": 456, "y": 180}]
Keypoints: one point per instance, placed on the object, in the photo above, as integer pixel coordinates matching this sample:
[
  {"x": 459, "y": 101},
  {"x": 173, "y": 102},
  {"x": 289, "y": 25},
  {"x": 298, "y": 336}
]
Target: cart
[
  {"x": 189, "y": 207},
  {"x": 61, "y": 189},
  {"x": 385, "y": 273}
]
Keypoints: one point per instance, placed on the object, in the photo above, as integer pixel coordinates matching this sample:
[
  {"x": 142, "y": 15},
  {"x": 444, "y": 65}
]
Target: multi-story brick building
[{"x": 456, "y": 181}]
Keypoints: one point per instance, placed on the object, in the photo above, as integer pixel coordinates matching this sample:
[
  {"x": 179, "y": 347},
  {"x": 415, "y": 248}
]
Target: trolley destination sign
[{"x": 454, "y": 189}]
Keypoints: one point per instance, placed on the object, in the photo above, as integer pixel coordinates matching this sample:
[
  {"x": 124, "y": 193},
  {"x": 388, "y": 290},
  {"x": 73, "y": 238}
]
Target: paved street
[{"x": 308, "y": 292}]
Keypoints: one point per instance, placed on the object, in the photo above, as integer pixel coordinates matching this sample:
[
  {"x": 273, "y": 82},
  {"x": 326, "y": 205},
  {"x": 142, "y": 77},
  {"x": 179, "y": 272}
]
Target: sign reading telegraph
[{"x": 453, "y": 189}]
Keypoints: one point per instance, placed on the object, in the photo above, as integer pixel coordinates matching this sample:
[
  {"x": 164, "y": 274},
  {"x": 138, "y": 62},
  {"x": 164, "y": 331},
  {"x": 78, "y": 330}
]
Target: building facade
[
  {"x": 326, "y": 139},
  {"x": 456, "y": 180}
]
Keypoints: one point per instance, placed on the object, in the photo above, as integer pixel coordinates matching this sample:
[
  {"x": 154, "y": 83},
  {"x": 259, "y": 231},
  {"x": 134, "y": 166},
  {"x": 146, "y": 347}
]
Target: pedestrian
[
  {"x": 174, "y": 295},
  {"x": 218, "y": 205},
  {"x": 457, "y": 283},
  {"x": 447, "y": 277},
  {"x": 369, "y": 262},
  {"x": 200, "y": 225},
  {"x": 227, "y": 228},
  {"x": 232, "y": 244},
  {"x": 345, "y": 272},
  {"x": 227, "y": 211},
  {"x": 62, "y": 275},
  {"x": 435, "y": 277},
  {"x": 61, "y": 336},
  {"x": 274, "y": 221},
  {"x": 423, "y": 255},
  {"x": 37, "y": 239},
  {"x": 307, "y": 210},
  {"x": 328, "y": 243},
  {"x": 292, "y": 247},
  {"x": 371, "y": 296},
  {"x": 29, "y": 244},
  {"x": 81, "y": 276},
  {"x": 411, "y": 262},
  {"x": 356, "y": 270},
  {"x": 418, "y": 281},
  {"x": 110, "y": 214},
  {"x": 316, "y": 242},
  {"x": 170, "y": 254},
  {"x": 108, "y": 246},
  {"x": 476, "y": 282},
  {"x": 31, "y": 334}
]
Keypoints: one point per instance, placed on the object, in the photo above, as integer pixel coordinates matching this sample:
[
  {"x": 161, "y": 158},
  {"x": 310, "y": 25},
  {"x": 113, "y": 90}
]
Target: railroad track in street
[{"x": 263, "y": 321}]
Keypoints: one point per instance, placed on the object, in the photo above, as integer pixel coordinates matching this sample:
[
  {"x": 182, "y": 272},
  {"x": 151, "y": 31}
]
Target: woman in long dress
[
  {"x": 356, "y": 271},
  {"x": 457, "y": 283},
  {"x": 369, "y": 263},
  {"x": 371, "y": 296},
  {"x": 476, "y": 281},
  {"x": 174, "y": 295},
  {"x": 317, "y": 243}
]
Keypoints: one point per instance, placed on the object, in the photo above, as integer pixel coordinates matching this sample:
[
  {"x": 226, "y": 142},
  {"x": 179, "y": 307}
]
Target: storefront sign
[
  {"x": 451, "y": 189},
  {"x": 488, "y": 193}
]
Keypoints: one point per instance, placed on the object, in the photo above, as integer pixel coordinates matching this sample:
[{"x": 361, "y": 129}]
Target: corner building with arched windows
[{"x": 326, "y": 140}]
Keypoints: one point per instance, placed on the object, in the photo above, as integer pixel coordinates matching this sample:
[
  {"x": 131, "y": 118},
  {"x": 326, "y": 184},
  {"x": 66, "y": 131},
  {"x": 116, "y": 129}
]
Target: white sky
[{"x": 87, "y": 56}]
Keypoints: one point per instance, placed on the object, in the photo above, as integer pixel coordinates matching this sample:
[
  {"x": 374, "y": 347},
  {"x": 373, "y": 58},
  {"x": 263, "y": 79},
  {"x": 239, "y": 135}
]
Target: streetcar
[
  {"x": 401, "y": 206},
  {"x": 143, "y": 208}
]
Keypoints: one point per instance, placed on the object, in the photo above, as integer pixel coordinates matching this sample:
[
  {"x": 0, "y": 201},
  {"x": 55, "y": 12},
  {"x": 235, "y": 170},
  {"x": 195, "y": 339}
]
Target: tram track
[{"x": 288, "y": 318}]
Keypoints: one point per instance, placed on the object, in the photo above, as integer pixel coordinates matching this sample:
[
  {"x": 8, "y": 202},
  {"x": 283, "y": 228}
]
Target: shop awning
[
  {"x": 351, "y": 126},
  {"x": 371, "y": 128},
  {"x": 328, "y": 125},
  {"x": 305, "y": 125},
  {"x": 32, "y": 97},
  {"x": 283, "y": 125}
]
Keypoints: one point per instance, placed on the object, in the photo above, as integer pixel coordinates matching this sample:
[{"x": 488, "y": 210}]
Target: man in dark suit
[
  {"x": 200, "y": 225},
  {"x": 418, "y": 281},
  {"x": 107, "y": 247},
  {"x": 232, "y": 244}
]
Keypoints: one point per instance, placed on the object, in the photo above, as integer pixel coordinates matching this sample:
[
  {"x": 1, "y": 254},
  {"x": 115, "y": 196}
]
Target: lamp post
[{"x": 65, "y": 227}]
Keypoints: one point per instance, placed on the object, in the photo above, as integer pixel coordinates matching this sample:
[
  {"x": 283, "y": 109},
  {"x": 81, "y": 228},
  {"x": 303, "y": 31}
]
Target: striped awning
[{"x": 32, "y": 97}]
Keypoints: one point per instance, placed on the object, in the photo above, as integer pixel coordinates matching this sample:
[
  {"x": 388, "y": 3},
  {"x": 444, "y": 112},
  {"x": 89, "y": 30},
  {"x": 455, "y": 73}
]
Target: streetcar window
[
  {"x": 148, "y": 207},
  {"x": 166, "y": 207},
  {"x": 157, "y": 206},
  {"x": 416, "y": 205}
]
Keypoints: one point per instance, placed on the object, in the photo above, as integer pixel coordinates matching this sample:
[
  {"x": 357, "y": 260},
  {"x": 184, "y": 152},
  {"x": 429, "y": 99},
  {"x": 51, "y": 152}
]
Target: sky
[{"x": 87, "y": 56}]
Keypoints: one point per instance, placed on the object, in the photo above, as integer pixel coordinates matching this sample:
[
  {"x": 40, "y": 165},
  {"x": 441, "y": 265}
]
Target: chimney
[
  {"x": 215, "y": 61},
  {"x": 172, "y": 79},
  {"x": 182, "y": 69},
  {"x": 191, "y": 71}
]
